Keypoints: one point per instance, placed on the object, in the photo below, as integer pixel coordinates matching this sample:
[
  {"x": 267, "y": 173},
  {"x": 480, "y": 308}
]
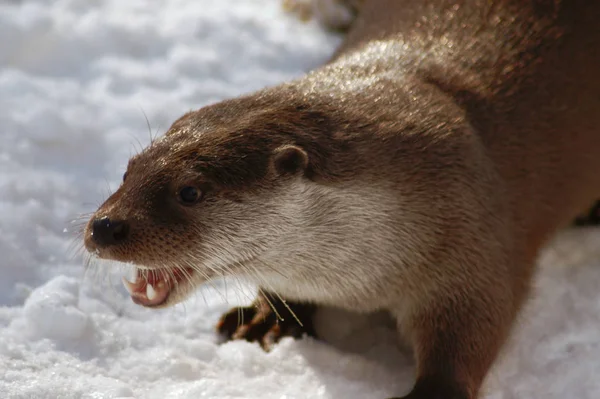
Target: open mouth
[{"x": 153, "y": 287}]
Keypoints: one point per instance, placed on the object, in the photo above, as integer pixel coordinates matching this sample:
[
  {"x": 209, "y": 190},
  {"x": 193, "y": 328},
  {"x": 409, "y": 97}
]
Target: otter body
[{"x": 419, "y": 172}]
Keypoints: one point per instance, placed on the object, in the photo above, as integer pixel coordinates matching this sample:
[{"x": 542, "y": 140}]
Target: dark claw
[{"x": 232, "y": 320}]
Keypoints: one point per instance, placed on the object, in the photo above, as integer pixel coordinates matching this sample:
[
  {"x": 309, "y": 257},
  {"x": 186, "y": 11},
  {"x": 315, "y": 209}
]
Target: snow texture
[{"x": 77, "y": 80}]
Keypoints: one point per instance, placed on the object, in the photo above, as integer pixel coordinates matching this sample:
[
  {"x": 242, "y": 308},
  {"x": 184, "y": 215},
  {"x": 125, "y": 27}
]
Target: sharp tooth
[
  {"x": 161, "y": 284},
  {"x": 129, "y": 286},
  {"x": 150, "y": 293}
]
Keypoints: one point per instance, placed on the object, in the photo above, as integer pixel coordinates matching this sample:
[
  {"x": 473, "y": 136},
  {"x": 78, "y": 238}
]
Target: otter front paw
[{"x": 267, "y": 321}]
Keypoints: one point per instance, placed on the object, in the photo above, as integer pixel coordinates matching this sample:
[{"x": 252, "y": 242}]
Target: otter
[{"x": 418, "y": 172}]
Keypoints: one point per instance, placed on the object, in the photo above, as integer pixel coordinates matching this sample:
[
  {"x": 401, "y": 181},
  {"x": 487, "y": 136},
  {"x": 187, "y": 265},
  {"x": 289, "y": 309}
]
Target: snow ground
[{"x": 76, "y": 78}]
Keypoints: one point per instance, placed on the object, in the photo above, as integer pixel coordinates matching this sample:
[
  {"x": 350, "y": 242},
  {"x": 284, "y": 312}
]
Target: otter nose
[{"x": 107, "y": 232}]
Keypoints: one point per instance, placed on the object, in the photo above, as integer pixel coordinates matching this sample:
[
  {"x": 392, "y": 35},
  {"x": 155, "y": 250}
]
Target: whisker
[
  {"x": 107, "y": 188},
  {"x": 294, "y": 315},
  {"x": 139, "y": 143},
  {"x": 148, "y": 126},
  {"x": 207, "y": 279},
  {"x": 189, "y": 278},
  {"x": 279, "y": 298},
  {"x": 264, "y": 295},
  {"x": 156, "y": 133}
]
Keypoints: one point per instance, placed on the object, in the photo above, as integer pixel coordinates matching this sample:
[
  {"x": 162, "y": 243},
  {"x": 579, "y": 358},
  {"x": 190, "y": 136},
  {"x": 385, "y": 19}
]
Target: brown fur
[{"x": 465, "y": 132}]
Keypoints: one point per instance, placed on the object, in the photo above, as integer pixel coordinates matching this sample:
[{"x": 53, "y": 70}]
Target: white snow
[{"x": 76, "y": 81}]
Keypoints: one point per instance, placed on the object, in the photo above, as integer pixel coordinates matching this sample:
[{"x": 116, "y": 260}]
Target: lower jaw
[
  {"x": 161, "y": 304},
  {"x": 158, "y": 290}
]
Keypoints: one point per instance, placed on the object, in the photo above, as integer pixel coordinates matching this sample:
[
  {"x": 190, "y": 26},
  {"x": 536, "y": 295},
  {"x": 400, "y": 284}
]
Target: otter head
[
  {"x": 212, "y": 197},
  {"x": 291, "y": 191}
]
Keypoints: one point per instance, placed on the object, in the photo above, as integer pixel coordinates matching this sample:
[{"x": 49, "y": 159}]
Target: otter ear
[{"x": 289, "y": 160}]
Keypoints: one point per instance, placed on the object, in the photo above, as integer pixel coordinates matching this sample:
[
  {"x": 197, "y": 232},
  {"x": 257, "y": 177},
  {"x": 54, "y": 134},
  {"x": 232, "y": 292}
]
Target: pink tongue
[{"x": 146, "y": 294}]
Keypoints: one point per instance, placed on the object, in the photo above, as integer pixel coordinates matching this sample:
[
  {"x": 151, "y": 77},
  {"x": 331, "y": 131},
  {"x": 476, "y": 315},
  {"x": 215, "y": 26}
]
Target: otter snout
[
  {"x": 103, "y": 232},
  {"x": 106, "y": 232}
]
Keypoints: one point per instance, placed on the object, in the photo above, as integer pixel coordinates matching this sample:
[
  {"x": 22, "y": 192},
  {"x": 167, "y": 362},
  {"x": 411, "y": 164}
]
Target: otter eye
[
  {"x": 124, "y": 176},
  {"x": 189, "y": 195}
]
